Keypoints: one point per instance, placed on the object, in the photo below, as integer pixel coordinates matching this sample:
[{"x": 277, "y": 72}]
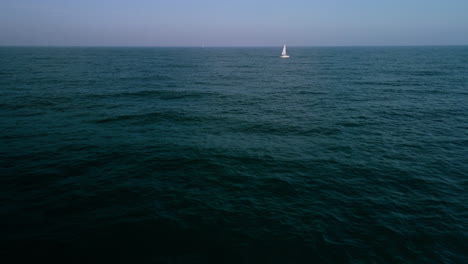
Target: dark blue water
[{"x": 233, "y": 155}]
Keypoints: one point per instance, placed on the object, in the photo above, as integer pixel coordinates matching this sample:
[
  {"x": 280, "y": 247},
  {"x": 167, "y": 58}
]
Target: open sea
[{"x": 233, "y": 155}]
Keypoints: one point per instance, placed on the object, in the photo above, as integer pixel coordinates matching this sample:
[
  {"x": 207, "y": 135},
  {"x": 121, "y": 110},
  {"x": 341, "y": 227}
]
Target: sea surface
[{"x": 233, "y": 155}]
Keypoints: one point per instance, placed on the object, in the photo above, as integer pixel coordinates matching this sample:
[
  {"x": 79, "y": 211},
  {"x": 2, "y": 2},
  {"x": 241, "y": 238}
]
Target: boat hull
[{"x": 284, "y": 56}]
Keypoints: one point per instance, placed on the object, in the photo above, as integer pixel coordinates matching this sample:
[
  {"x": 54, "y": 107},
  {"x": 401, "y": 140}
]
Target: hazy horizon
[
  {"x": 227, "y": 46},
  {"x": 262, "y": 23}
]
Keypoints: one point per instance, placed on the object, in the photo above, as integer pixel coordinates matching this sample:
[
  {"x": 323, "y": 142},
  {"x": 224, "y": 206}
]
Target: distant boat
[{"x": 283, "y": 54}]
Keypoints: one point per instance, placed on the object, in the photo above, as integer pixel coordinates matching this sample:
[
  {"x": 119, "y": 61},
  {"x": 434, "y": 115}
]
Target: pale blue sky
[{"x": 233, "y": 23}]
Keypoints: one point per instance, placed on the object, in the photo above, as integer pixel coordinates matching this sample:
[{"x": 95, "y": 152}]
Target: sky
[{"x": 233, "y": 23}]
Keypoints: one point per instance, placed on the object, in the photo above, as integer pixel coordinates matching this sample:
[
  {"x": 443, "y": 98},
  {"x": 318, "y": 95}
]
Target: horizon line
[{"x": 227, "y": 46}]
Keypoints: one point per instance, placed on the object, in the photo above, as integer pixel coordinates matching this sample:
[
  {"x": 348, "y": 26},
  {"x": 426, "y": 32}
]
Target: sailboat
[{"x": 283, "y": 54}]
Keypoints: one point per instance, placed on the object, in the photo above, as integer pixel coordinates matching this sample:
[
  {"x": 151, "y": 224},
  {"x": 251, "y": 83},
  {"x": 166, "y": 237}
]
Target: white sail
[{"x": 283, "y": 54}]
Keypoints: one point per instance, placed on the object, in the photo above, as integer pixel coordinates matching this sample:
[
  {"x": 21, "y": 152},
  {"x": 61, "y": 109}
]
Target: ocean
[{"x": 233, "y": 155}]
